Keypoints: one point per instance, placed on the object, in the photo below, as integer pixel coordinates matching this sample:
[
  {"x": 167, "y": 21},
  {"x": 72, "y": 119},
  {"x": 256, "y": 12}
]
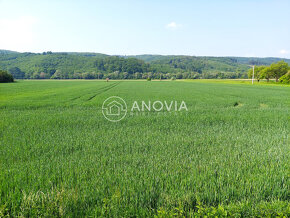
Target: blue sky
[{"x": 204, "y": 28}]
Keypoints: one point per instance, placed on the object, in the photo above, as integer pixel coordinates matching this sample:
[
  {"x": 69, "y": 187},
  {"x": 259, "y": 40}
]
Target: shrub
[
  {"x": 5, "y": 77},
  {"x": 285, "y": 78},
  {"x": 148, "y": 79}
]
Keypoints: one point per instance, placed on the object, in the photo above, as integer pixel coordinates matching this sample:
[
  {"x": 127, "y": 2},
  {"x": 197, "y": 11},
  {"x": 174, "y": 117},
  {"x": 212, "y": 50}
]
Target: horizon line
[{"x": 143, "y": 54}]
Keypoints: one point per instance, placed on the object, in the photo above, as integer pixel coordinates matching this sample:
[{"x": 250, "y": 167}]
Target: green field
[{"x": 227, "y": 155}]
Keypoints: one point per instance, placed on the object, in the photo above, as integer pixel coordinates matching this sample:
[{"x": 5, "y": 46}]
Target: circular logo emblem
[{"x": 114, "y": 109}]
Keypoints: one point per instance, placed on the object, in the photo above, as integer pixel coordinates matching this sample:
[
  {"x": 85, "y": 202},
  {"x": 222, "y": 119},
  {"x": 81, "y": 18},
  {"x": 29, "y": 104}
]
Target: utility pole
[{"x": 253, "y": 74}]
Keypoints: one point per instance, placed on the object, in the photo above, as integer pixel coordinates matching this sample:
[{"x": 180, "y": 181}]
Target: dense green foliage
[
  {"x": 187, "y": 67},
  {"x": 228, "y": 155},
  {"x": 5, "y": 77},
  {"x": 285, "y": 78},
  {"x": 16, "y": 73},
  {"x": 240, "y": 60},
  {"x": 275, "y": 70},
  {"x": 99, "y": 66}
]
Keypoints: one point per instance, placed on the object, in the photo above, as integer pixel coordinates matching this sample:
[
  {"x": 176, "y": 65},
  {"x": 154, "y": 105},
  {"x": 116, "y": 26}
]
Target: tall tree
[
  {"x": 279, "y": 69},
  {"x": 5, "y": 77},
  {"x": 266, "y": 73}
]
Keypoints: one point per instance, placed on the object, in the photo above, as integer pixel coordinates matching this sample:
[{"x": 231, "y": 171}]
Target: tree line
[
  {"x": 279, "y": 71},
  {"x": 49, "y": 65},
  {"x": 126, "y": 69},
  {"x": 61, "y": 66}
]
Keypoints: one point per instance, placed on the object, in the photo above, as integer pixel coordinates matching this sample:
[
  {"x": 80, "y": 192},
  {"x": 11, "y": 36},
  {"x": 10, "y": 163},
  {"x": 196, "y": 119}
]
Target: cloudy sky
[{"x": 206, "y": 27}]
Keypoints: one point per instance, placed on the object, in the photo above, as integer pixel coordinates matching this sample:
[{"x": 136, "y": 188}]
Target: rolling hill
[{"x": 76, "y": 65}]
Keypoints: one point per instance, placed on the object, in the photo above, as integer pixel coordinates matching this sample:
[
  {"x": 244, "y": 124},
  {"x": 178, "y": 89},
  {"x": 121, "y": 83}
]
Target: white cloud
[
  {"x": 283, "y": 51},
  {"x": 17, "y": 33},
  {"x": 173, "y": 25}
]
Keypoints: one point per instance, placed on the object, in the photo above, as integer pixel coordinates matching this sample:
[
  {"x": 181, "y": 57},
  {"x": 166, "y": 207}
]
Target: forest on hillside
[{"x": 73, "y": 65}]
